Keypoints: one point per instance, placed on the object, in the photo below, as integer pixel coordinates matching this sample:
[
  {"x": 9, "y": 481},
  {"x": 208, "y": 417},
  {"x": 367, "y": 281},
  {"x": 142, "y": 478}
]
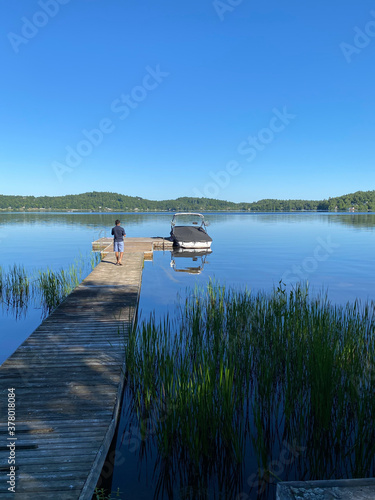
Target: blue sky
[{"x": 237, "y": 100}]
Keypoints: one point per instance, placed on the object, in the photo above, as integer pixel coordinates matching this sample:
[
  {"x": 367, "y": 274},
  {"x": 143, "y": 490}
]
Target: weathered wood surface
[
  {"x": 341, "y": 489},
  {"x": 68, "y": 381},
  {"x": 147, "y": 245}
]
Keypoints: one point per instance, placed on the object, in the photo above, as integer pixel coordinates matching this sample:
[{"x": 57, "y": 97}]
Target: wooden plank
[
  {"x": 54, "y": 462},
  {"x": 86, "y": 456},
  {"x": 56, "y": 426},
  {"x": 68, "y": 380},
  {"x": 31, "y": 484},
  {"x": 344, "y": 489},
  {"x": 70, "y": 387},
  {"x": 68, "y": 495}
]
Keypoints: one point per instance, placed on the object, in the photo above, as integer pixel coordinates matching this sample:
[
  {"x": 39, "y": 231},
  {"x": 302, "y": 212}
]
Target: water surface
[{"x": 333, "y": 252}]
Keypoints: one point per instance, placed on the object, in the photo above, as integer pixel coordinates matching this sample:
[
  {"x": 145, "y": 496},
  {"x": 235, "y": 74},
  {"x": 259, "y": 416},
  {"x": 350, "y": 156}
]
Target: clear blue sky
[{"x": 238, "y": 100}]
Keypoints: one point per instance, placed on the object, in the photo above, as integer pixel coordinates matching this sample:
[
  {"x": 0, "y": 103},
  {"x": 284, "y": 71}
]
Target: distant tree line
[{"x": 362, "y": 201}]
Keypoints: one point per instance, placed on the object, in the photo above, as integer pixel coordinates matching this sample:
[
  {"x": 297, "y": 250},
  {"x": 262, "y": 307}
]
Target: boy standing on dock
[{"x": 118, "y": 241}]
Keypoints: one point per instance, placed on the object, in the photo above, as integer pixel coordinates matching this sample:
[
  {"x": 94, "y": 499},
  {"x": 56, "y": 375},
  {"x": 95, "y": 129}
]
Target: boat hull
[
  {"x": 193, "y": 244},
  {"x": 190, "y": 237}
]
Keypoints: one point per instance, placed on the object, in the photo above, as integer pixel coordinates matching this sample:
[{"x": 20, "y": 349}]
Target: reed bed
[
  {"x": 281, "y": 377},
  {"x": 54, "y": 286},
  {"x": 15, "y": 289},
  {"x": 44, "y": 288}
]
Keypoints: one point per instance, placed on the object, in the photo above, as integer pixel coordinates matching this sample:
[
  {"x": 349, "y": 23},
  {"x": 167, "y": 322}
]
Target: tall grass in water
[
  {"x": 54, "y": 286},
  {"x": 15, "y": 288},
  {"x": 45, "y": 288},
  {"x": 244, "y": 375}
]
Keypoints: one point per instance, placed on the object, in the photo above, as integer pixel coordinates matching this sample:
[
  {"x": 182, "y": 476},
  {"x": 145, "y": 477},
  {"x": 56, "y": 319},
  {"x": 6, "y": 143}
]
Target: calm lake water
[{"x": 333, "y": 252}]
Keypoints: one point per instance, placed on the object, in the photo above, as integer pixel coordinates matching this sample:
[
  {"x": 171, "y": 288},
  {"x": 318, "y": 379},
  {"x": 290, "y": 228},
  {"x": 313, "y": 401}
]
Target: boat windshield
[{"x": 186, "y": 219}]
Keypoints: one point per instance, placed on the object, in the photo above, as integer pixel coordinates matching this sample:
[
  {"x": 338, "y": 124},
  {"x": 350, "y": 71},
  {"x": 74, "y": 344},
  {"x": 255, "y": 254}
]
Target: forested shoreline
[{"x": 360, "y": 201}]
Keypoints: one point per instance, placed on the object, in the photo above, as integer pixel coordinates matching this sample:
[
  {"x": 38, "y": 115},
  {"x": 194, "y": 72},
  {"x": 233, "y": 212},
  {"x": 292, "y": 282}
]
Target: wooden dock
[
  {"x": 68, "y": 382},
  {"x": 146, "y": 245},
  {"x": 340, "y": 489}
]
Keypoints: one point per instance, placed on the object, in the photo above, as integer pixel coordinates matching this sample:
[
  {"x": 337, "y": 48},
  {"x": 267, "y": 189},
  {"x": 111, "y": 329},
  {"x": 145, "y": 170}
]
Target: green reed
[
  {"x": 47, "y": 287},
  {"x": 102, "y": 494},
  {"x": 240, "y": 370},
  {"x": 56, "y": 285},
  {"x": 15, "y": 288}
]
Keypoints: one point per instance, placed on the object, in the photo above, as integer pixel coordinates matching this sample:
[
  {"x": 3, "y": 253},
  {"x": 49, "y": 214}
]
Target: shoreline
[{"x": 248, "y": 211}]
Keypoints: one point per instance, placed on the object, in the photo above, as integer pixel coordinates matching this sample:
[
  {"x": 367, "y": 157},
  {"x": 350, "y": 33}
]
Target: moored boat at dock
[{"x": 188, "y": 230}]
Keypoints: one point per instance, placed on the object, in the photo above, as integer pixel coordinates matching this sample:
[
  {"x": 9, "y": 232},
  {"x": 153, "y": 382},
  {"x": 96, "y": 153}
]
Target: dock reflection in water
[{"x": 182, "y": 257}]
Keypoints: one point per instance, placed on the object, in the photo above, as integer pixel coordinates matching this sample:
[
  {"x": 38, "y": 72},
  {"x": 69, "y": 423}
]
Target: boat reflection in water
[{"x": 189, "y": 260}]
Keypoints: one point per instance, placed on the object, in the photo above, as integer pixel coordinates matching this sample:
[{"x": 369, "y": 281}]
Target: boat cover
[{"x": 187, "y": 233}]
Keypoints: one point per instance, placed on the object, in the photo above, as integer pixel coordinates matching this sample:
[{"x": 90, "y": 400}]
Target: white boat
[{"x": 188, "y": 230}]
